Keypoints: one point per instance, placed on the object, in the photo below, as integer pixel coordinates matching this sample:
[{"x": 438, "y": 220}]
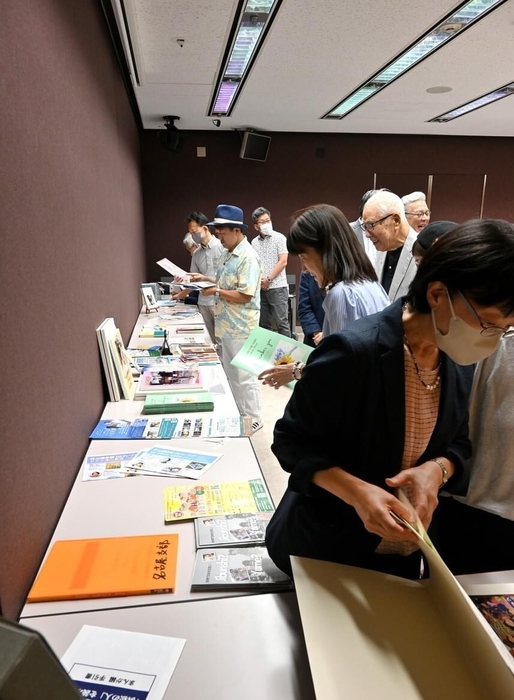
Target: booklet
[
  {"x": 168, "y": 461},
  {"x": 264, "y": 349},
  {"x": 173, "y": 269},
  {"x": 207, "y": 500},
  {"x": 233, "y": 529},
  {"x": 106, "y": 567},
  {"x": 109, "y": 663},
  {"x": 245, "y": 568}
]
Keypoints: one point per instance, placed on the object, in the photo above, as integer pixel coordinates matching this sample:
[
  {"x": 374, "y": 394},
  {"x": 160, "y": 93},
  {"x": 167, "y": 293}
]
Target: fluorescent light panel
[
  {"x": 493, "y": 96},
  {"x": 465, "y": 16},
  {"x": 254, "y": 19}
]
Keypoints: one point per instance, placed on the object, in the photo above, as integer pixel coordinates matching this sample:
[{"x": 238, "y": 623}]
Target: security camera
[{"x": 217, "y": 122}]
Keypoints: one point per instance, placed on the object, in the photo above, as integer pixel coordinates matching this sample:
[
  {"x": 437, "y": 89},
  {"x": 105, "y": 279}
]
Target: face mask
[
  {"x": 266, "y": 229},
  {"x": 197, "y": 237},
  {"x": 463, "y": 344}
]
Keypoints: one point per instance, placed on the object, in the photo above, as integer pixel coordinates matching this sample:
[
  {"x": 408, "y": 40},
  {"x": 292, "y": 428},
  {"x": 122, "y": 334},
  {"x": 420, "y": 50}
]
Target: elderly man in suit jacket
[{"x": 386, "y": 226}]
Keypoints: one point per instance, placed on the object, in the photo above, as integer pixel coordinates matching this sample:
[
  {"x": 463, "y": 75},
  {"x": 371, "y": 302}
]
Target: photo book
[
  {"x": 176, "y": 376},
  {"x": 414, "y": 640}
]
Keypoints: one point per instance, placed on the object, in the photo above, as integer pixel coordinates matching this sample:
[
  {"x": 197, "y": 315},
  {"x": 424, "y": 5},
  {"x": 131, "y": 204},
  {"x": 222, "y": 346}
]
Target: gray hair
[
  {"x": 414, "y": 197},
  {"x": 188, "y": 241},
  {"x": 386, "y": 203},
  {"x": 259, "y": 212}
]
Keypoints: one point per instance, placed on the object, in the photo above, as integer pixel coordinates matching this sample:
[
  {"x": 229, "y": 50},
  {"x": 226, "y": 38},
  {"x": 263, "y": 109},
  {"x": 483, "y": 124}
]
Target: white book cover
[
  {"x": 110, "y": 663},
  {"x": 104, "y": 331}
]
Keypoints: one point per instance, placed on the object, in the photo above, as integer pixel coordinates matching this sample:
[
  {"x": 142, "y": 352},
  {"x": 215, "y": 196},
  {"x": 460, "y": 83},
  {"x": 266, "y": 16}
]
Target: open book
[{"x": 381, "y": 636}]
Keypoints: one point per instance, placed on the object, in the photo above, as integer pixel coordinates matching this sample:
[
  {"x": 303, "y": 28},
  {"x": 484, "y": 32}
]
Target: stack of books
[
  {"x": 198, "y": 352},
  {"x": 178, "y": 402}
]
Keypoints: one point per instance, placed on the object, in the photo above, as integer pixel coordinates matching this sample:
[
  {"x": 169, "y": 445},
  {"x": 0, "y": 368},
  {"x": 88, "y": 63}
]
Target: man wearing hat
[{"x": 237, "y": 305}]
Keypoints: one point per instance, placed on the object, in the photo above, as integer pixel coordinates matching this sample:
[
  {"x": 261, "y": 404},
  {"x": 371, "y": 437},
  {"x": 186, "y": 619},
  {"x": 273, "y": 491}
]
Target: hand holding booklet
[{"x": 264, "y": 349}]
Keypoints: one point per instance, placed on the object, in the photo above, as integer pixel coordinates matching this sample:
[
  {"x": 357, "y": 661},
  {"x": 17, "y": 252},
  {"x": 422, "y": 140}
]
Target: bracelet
[{"x": 446, "y": 476}]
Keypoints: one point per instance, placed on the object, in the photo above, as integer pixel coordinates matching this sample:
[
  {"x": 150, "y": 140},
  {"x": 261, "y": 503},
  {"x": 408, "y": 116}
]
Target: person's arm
[
  {"x": 307, "y": 315},
  {"x": 231, "y": 295},
  {"x": 315, "y": 440},
  {"x": 277, "y": 269}
]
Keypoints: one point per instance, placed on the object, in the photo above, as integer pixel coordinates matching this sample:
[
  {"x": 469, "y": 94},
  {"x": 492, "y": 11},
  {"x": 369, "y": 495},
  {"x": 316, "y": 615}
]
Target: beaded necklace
[{"x": 430, "y": 387}]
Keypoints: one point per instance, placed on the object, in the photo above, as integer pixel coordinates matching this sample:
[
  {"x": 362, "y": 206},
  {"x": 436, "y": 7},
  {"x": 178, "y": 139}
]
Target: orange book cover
[{"x": 107, "y": 566}]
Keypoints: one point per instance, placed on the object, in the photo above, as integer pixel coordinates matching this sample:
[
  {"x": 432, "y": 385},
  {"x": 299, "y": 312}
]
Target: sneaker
[{"x": 256, "y": 425}]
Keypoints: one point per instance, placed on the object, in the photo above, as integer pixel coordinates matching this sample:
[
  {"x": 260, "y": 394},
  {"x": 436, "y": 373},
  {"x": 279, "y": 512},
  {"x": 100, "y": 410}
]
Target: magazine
[
  {"x": 169, "y": 461},
  {"x": 264, "y": 349},
  {"x": 207, "y": 500},
  {"x": 230, "y": 530},
  {"x": 244, "y": 568}
]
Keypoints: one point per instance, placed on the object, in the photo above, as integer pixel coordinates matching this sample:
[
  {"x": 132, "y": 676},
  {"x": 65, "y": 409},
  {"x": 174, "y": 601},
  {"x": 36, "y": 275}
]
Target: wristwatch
[
  {"x": 445, "y": 475},
  {"x": 297, "y": 369},
  {"x": 217, "y": 292}
]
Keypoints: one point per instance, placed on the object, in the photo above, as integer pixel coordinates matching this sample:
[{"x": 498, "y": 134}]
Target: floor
[{"x": 273, "y": 404}]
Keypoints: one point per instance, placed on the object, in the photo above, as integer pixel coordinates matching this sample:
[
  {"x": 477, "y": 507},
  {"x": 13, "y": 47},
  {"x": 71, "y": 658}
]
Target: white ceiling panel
[{"x": 314, "y": 55}]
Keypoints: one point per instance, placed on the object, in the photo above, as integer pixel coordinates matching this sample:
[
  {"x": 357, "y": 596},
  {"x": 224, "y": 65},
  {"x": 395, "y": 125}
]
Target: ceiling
[{"x": 314, "y": 55}]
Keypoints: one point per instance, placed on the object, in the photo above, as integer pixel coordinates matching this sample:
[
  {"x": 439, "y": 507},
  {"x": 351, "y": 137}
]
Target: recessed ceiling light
[
  {"x": 251, "y": 25},
  {"x": 439, "y": 89},
  {"x": 482, "y": 101},
  {"x": 448, "y": 28}
]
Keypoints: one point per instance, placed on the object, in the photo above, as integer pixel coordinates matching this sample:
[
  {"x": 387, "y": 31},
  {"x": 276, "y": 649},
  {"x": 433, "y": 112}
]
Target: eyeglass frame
[
  {"x": 490, "y": 330},
  {"x": 370, "y": 225},
  {"x": 419, "y": 214}
]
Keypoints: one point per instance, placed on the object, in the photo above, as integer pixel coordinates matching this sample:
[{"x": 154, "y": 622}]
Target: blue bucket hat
[{"x": 228, "y": 215}]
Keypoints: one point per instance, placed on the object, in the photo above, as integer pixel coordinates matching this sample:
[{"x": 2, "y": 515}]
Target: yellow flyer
[{"x": 208, "y": 500}]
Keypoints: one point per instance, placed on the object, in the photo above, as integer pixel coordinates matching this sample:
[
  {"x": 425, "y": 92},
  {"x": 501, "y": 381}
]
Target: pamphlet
[
  {"x": 207, "y": 500},
  {"x": 164, "y": 428},
  {"x": 110, "y": 663},
  {"x": 113, "y": 466},
  {"x": 168, "y": 461},
  {"x": 173, "y": 269},
  {"x": 264, "y": 349}
]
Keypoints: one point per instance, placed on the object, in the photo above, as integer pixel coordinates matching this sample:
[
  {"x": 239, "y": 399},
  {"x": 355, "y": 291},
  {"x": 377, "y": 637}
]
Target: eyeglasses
[
  {"x": 370, "y": 225},
  {"x": 419, "y": 214},
  {"x": 488, "y": 330}
]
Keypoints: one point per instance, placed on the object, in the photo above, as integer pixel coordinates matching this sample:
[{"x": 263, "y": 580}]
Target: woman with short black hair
[{"x": 383, "y": 405}]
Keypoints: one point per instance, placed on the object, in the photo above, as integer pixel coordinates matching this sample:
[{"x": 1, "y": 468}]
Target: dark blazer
[
  {"x": 310, "y": 307},
  {"x": 348, "y": 410}
]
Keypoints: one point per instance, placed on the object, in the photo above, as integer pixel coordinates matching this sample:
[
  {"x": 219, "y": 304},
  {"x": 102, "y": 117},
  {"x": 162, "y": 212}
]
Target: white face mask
[
  {"x": 463, "y": 344},
  {"x": 266, "y": 229}
]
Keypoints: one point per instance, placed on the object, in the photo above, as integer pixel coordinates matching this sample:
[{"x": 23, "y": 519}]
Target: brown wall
[
  {"x": 292, "y": 177},
  {"x": 72, "y": 254}
]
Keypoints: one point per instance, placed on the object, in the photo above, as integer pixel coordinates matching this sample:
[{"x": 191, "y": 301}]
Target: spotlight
[
  {"x": 217, "y": 122},
  {"x": 170, "y": 137}
]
